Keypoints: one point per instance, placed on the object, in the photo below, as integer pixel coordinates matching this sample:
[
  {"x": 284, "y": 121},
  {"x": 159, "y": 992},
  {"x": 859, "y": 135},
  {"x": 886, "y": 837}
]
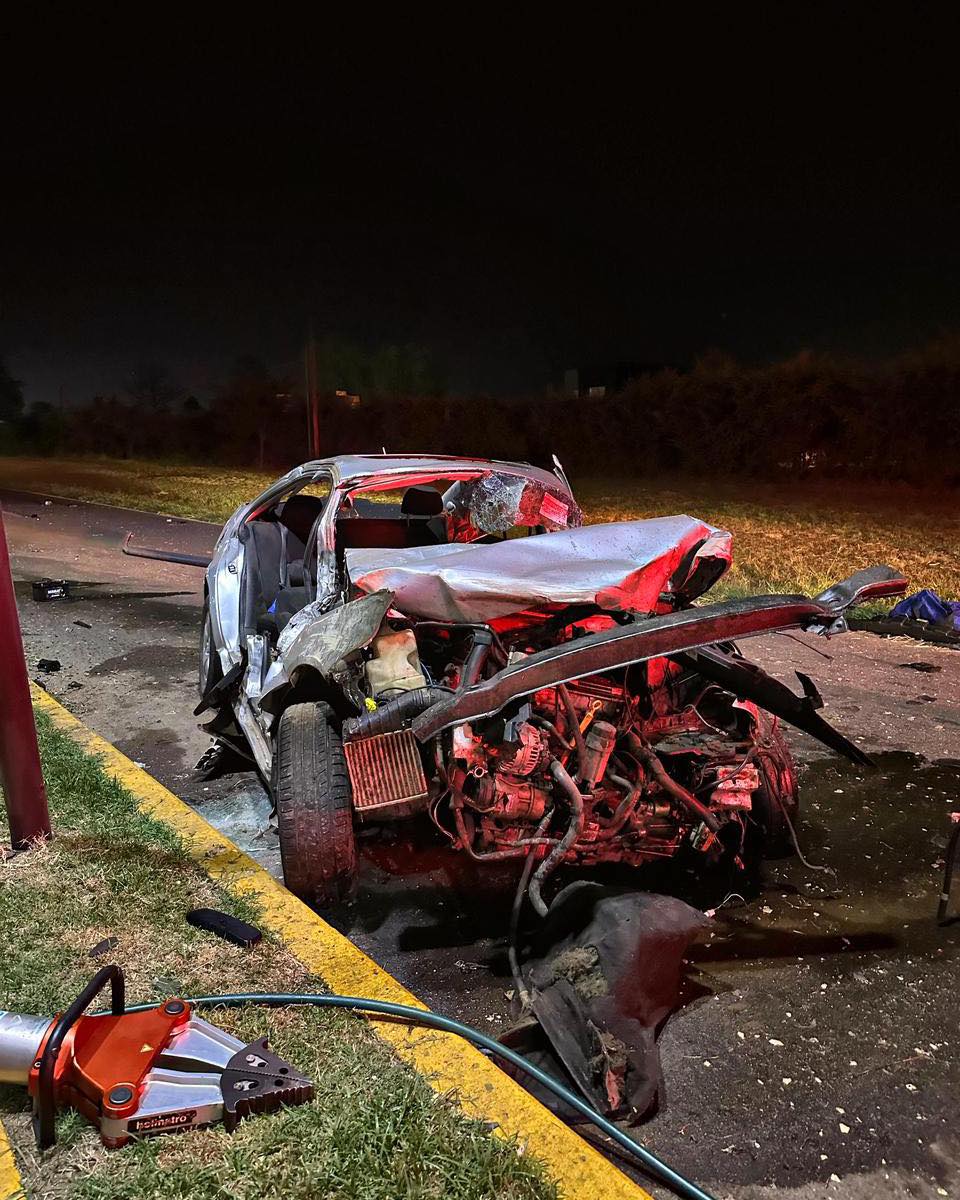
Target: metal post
[{"x": 20, "y": 773}]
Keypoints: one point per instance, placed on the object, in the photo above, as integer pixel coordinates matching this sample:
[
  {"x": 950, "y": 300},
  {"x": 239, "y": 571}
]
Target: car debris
[
  {"x": 603, "y": 977},
  {"x": 45, "y": 590},
  {"x": 387, "y": 636},
  {"x": 103, "y": 947},
  {"x": 228, "y": 927},
  {"x": 48, "y": 665},
  {"x": 220, "y": 759}
]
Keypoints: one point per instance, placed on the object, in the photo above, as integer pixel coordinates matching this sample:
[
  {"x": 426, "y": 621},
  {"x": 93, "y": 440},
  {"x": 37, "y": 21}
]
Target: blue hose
[{"x": 683, "y": 1186}]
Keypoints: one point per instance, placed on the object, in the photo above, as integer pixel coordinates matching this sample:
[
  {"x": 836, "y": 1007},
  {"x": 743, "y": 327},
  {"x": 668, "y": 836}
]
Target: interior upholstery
[
  {"x": 272, "y": 583},
  {"x": 299, "y": 513}
]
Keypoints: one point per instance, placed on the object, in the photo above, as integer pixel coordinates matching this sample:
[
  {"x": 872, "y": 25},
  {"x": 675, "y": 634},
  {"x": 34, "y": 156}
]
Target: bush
[{"x": 812, "y": 414}]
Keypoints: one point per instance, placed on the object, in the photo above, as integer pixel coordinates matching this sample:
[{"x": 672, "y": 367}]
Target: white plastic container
[{"x": 395, "y": 665}]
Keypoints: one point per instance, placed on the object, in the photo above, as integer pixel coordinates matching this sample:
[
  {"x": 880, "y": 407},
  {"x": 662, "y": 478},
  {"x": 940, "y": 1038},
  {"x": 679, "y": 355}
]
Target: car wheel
[
  {"x": 314, "y": 806},
  {"x": 775, "y": 803},
  {"x": 210, "y": 671}
]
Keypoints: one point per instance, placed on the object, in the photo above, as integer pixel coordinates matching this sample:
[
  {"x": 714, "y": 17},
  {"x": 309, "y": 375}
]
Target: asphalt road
[{"x": 816, "y": 1051}]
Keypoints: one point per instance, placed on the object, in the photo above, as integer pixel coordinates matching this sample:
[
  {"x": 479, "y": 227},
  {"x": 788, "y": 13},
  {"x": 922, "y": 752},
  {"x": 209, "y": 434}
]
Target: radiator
[{"x": 385, "y": 772}]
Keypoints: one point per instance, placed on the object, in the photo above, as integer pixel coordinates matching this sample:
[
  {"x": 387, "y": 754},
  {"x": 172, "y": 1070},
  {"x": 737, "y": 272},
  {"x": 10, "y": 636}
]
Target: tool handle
[{"x": 45, "y": 1107}]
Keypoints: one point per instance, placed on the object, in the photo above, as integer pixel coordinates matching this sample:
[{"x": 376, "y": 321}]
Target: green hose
[{"x": 683, "y": 1186}]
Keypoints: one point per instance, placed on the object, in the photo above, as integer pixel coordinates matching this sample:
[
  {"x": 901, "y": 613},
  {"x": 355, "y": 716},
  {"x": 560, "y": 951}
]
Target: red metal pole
[{"x": 20, "y": 773}]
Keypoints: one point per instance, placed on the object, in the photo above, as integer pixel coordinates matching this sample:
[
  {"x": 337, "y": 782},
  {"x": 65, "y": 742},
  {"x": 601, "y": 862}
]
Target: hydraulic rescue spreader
[{"x": 138, "y": 1073}]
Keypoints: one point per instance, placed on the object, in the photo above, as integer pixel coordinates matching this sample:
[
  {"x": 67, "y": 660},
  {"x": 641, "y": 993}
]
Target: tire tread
[{"x": 314, "y": 806}]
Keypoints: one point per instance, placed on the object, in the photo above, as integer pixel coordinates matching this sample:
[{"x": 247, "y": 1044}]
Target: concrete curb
[
  {"x": 447, "y": 1062},
  {"x": 11, "y": 1187}
]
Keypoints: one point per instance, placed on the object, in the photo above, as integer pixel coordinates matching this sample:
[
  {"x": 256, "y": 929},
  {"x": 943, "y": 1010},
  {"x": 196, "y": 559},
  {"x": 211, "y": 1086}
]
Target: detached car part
[
  {"x": 387, "y": 636},
  {"x": 162, "y": 1070},
  {"x": 604, "y": 974}
]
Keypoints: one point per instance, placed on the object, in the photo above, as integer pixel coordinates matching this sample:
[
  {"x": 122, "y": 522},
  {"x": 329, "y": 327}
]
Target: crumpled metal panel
[
  {"x": 605, "y": 974},
  {"x": 321, "y": 642},
  {"x": 624, "y": 565}
]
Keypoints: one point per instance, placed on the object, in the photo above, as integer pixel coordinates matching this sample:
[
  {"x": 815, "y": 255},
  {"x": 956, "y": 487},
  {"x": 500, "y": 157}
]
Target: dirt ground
[{"x": 816, "y": 1052}]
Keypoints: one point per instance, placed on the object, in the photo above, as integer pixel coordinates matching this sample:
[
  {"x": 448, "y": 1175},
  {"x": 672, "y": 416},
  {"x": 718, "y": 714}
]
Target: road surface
[{"x": 816, "y": 1052}]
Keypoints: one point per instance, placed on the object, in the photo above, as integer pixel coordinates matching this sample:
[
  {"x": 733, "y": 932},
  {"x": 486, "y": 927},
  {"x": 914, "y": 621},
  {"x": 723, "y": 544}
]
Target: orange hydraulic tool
[{"x": 136, "y": 1073}]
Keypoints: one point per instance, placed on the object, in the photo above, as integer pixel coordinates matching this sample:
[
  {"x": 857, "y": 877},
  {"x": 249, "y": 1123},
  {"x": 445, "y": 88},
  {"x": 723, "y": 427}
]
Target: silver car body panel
[
  {"x": 621, "y": 566},
  {"x": 325, "y": 641}
]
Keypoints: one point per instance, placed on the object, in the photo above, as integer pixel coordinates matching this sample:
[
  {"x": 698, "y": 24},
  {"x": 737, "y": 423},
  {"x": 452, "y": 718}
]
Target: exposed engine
[
  {"x": 646, "y": 784},
  {"x": 613, "y": 768}
]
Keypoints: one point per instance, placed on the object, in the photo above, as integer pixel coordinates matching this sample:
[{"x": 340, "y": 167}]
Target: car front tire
[{"x": 314, "y": 806}]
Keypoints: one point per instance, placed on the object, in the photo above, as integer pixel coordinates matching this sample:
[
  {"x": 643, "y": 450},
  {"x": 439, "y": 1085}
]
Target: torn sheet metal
[
  {"x": 604, "y": 981},
  {"x": 323, "y": 642},
  {"x": 622, "y": 566},
  {"x": 750, "y": 682},
  {"x": 688, "y": 629}
]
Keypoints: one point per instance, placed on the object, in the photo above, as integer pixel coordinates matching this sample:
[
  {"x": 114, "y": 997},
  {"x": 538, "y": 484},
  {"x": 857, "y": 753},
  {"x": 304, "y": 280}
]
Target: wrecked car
[{"x": 388, "y": 636}]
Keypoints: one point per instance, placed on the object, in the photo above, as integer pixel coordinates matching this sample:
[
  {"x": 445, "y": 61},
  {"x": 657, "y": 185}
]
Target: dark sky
[{"x": 518, "y": 199}]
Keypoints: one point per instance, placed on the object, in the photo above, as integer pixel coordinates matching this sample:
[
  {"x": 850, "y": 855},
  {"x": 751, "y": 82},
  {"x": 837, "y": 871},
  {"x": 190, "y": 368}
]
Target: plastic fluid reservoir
[{"x": 395, "y": 664}]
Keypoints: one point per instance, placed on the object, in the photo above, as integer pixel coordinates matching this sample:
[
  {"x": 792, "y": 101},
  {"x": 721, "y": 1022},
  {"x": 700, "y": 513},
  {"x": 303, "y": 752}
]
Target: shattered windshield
[
  {"x": 488, "y": 505},
  {"x": 497, "y": 502}
]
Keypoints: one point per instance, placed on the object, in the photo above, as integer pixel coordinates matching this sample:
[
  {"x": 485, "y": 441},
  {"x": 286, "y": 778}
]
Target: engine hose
[
  {"x": 680, "y": 1183},
  {"x": 574, "y": 829},
  {"x": 648, "y": 756},
  {"x": 513, "y": 957},
  {"x": 543, "y": 723},
  {"x": 575, "y": 731},
  {"x": 625, "y": 808},
  {"x": 466, "y": 840},
  {"x": 394, "y": 714},
  {"x": 479, "y": 651}
]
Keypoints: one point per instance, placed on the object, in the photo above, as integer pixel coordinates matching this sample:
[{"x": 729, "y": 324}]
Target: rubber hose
[
  {"x": 574, "y": 829},
  {"x": 473, "y": 665},
  {"x": 624, "y": 809},
  {"x": 696, "y": 808},
  {"x": 575, "y": 731},
  {"x": 683, "y": 1186},
  {"x": 512, "y": 954},
  {"x": 394, "y": 714}
]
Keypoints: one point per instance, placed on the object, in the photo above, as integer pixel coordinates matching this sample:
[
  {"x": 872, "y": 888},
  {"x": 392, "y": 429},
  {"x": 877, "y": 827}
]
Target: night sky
[{"x": 517, "y": 199}]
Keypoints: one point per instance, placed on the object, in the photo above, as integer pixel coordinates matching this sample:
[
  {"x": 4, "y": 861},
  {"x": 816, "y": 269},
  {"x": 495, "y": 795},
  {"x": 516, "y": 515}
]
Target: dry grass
[
  {"x": 206, "y": 493},
  {"x": 790, "y": 537},
  {"x": 375, "y": 1131},
  {"x": 802, "y": 537}
]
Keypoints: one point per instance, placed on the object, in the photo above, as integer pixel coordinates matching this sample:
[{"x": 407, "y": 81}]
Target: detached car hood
[{"x": 623, "y": 566}]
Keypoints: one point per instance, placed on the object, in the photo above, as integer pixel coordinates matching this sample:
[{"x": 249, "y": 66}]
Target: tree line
[{"x": 833, "y": 416}]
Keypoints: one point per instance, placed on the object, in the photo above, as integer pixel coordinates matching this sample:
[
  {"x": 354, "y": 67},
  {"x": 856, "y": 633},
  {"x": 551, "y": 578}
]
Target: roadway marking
[
  {"x": 11, "y": 1186},
  {"x": 447, "y": 1062}
]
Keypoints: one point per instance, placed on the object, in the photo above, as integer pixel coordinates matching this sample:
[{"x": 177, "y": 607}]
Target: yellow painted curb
[
  {"x": 10, "y": 1186},
  {"x": 447, "y": 1062}
]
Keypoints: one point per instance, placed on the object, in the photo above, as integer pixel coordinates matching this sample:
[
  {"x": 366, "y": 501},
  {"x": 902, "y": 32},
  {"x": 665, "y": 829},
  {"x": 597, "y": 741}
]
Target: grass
[
  {"x": 787, "y": 537},
  {"x": 204, "y": 493},
  {"x": 375, "y": 1131}
]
